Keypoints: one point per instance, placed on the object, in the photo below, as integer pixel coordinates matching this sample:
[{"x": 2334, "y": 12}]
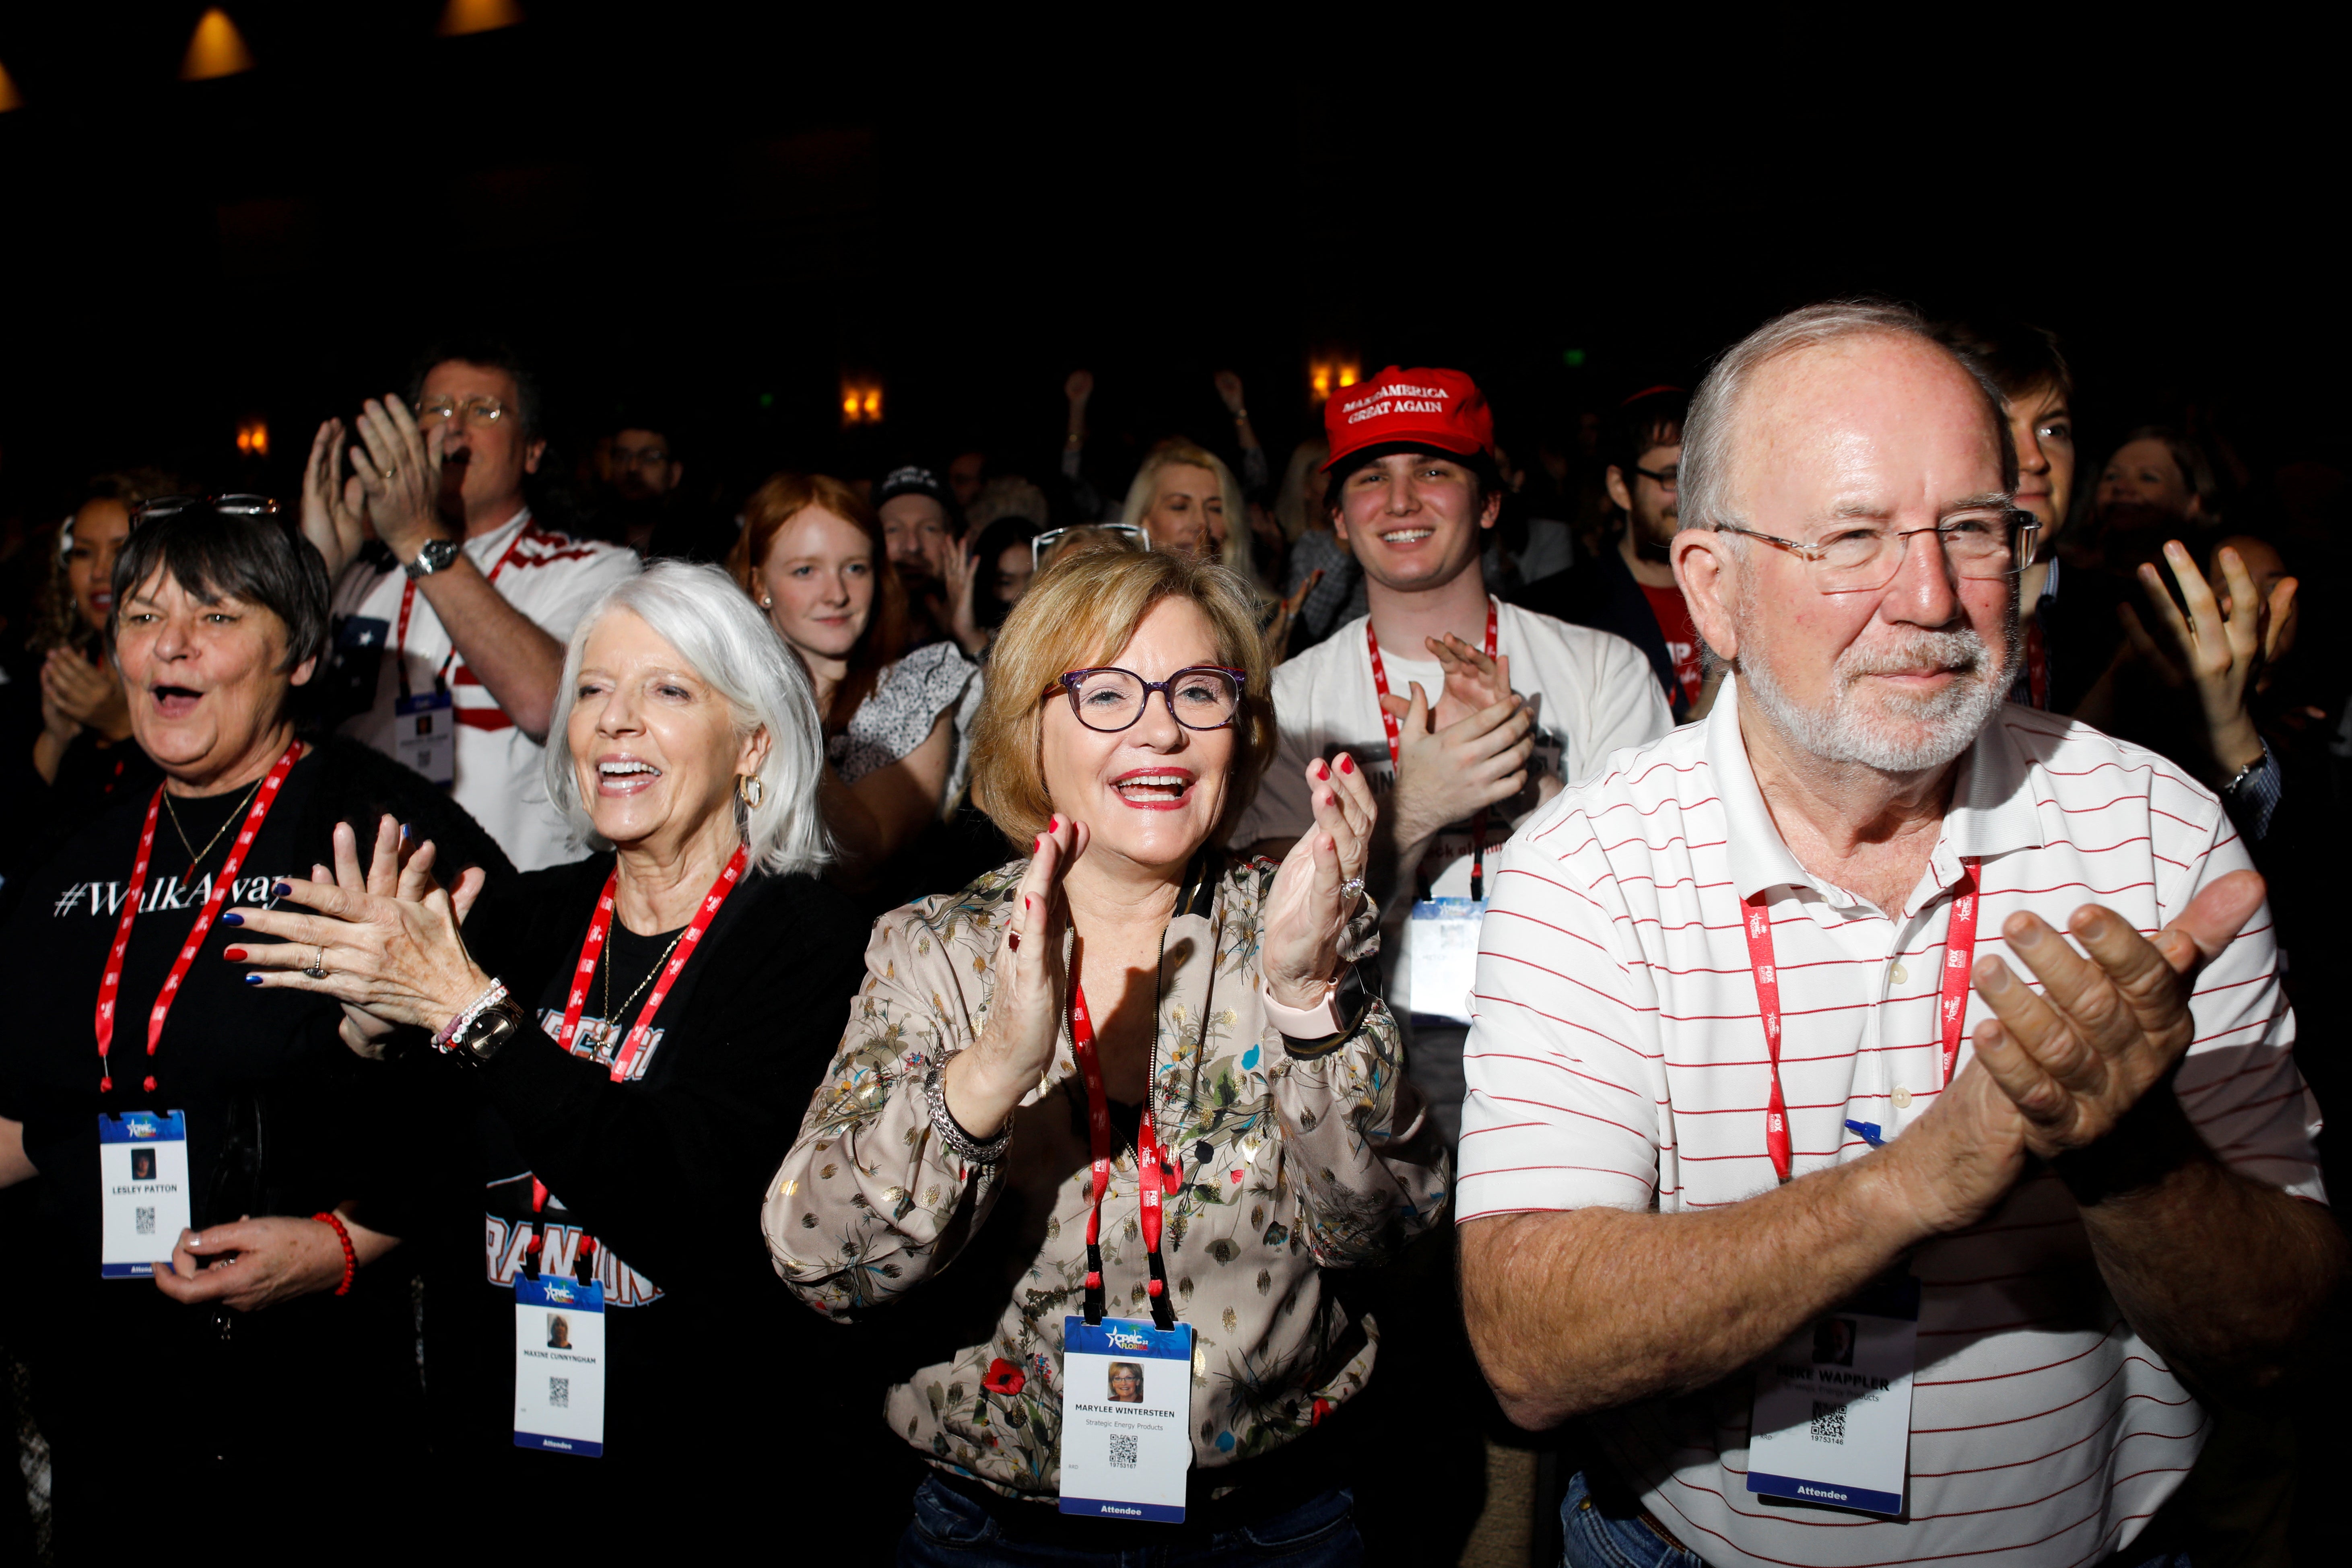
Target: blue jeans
[
  {"x": 1591, "y": 1539},
  {"x": 950, "y": 1531}
]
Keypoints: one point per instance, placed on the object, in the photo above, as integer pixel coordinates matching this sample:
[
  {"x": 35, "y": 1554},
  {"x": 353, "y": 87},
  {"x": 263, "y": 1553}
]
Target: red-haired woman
[{"x": 812, "y": 556}]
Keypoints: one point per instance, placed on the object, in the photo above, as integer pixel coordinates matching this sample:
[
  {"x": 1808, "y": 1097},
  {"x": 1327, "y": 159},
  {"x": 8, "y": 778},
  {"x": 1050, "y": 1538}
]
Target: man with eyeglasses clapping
[{"x": 436, "y": 558}]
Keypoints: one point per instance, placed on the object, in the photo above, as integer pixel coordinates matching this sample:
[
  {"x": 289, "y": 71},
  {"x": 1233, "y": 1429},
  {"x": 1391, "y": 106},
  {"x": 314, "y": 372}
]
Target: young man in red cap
[{"x": 1465, "y": 712}]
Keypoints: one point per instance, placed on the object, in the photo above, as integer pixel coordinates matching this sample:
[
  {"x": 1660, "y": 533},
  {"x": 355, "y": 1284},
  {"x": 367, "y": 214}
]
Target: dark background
[{"x": 727, "y": 214}]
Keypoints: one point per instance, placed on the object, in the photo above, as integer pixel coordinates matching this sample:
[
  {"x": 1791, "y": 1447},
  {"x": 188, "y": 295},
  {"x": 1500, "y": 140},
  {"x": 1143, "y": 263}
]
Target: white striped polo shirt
[{"x": 1618, "y": 1058}]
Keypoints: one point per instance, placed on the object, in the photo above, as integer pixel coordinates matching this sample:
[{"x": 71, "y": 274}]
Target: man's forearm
[
  {"x": 2219, "y": 1273},
  {"x": 1593, "y": 1307},
  {"x": 516, "y": 662}
]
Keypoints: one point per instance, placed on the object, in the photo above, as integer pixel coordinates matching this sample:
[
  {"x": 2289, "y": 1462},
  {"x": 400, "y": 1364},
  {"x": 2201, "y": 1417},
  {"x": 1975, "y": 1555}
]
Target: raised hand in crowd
[
  {"x": 77, "y": 694},
  {"x": 2222, "y": 648},
  {"x": 400, "y": 471},
  {"x": 1319, "y": 888},
  {"x": 963, "y": 568},
  {"x": 985, "y": 1084},
  {"x": 334, "y": 515},
  {"x": 1079, "y": 389}
]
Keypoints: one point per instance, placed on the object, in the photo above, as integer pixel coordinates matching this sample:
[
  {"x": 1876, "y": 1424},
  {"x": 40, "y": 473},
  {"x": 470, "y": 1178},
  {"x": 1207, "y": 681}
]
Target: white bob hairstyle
[{"x": 722, "y": 637}]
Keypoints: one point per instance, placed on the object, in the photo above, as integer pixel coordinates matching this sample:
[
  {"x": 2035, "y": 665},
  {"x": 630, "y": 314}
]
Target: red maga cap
[{"x": 1439, "y": 409}]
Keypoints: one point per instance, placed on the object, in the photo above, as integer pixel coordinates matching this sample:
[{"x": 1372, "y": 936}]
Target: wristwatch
[
  {"x": 436, "y": 555},
  {"x": 486, "y": 1033}
]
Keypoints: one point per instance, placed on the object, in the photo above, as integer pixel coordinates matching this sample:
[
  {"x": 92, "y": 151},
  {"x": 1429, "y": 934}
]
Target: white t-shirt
[
  {"x": 1593, "y": 693},
  {"x": 1617, "y": 1061},
  {"x": 552, "y": 578}
]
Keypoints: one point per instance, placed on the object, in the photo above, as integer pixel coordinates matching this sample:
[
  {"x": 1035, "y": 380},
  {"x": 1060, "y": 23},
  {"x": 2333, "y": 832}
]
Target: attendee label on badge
[
  {"x": 1441, "y": 948},
  {"x": 1127, "y": 1403},
  {"x": 559, "y": 1401},
  {"x": 142, "y": 1185},
  {"x": 424, "y": 735},
  {"x": 1832, "y": 1418}
]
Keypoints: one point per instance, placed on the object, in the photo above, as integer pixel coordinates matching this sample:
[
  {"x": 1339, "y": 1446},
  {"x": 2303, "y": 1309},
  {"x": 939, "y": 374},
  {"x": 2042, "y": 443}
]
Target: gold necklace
[
  {"x": 613, "y": 1019},
  {"x": 194, "y": 856}
]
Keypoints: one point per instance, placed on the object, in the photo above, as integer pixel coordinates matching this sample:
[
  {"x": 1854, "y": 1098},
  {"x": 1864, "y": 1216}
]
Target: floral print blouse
[{"x": 1289, "y": 1165}]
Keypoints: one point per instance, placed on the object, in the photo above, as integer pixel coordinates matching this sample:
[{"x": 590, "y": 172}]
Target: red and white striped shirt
[
  {"x": 1618, "y": 1058},
  {"x": 552, "y": 578}
]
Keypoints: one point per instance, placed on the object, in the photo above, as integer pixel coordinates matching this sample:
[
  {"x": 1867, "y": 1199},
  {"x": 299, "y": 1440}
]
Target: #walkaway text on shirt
[{"x": 1617, "y": 1058}]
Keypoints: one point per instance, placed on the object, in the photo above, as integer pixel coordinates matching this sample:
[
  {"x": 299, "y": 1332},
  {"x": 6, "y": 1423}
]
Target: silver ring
[
  {"x": 1352, "y": 886},
  {"x": 317, "y": 969}
]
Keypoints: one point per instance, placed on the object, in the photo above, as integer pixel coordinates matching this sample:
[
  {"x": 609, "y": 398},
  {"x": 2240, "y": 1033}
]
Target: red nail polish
[
  {"x": 235, "y": 955},
  {"x": 1347, "y": 764},
  {"x": 1027, "y": 901}
]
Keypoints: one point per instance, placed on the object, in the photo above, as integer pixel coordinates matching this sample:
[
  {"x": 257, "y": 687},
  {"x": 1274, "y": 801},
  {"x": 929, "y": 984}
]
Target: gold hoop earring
[{"x": 749, "y": 790}]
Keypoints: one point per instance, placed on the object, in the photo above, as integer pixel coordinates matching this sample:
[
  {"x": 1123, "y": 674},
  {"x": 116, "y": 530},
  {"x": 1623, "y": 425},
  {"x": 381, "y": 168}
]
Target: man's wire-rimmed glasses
[
  {"x": 1205, "y": 696},
  {"x": 482, "y": 410},
  {"x": 1858, "y": 557}
]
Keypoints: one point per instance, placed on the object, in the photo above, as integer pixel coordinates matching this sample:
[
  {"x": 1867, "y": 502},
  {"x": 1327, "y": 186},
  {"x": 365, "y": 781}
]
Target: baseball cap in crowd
[
  {"x": 914, "y": 480},
  {"x": 1437, "y": 410}
]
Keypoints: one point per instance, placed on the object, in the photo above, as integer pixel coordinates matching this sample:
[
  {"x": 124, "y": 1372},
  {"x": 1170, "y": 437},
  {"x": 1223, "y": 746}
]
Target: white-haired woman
[{"x": 632, "y": 1039}]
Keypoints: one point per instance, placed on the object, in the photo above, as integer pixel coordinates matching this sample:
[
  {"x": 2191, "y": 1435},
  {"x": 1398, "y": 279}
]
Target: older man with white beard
[{"x": 1862, "y": 1245}]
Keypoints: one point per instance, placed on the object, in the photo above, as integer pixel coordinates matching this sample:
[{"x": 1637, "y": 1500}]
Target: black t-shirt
[
  {"x": 283, "y": 1117},
  {"x": 666, "y": 1171}
]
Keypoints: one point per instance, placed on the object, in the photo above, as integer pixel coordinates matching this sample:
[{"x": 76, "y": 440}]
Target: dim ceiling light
[
  {"x": 461, "y": 16},
  {"x": 8, "y": 95},
  {"x": 216, "y": 50},
  {"x": 253, "y": 438}
]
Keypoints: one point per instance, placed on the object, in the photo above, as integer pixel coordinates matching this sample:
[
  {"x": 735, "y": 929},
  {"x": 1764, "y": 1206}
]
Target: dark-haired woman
[
  {"x": 72, "y": 719},
  {"x": 216, "y": 1335},
  {"x": 812, "y": 557}
]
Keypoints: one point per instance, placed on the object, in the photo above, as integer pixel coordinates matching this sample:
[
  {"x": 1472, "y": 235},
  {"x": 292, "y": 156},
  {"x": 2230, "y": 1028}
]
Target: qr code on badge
[
  {"x": 558, "y": 1393},
  {"x": 1829, "y": 1422},
  {"x": 144, "y": 1221},
  {"x": 1122, "y": 1450}
]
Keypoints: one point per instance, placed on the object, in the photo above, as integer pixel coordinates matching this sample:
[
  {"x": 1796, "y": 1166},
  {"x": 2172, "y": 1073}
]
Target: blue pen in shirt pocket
[{"x": 1869, "y": 1133}]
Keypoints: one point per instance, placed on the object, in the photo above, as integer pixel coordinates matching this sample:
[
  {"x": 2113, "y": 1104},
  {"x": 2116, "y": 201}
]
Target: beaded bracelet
[
  {"x": 480, "y": 1004},
  {"x": 951, "y": 1131},
  {"x": 351, "y": 1258}
]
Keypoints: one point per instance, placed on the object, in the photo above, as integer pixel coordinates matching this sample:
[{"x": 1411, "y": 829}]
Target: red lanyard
[
  {"x": 625, "y": 1060},
  {"x": 1960, "y": 952},
  {"x": 1389, "y": 724},
  {"x": 1158, "y": 1167},
  {"x": 408, "y": 605},
  {"x": 110, "y": 982}
]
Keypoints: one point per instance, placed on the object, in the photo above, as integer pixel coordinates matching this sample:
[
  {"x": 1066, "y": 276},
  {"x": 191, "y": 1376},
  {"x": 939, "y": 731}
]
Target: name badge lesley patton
[
  {"x": 424, "y": 735},
  {"x": 559, "y": 1369},
  {"x": 1832, "y": 1422},
  {"x": 143, "y": 1189},
  {"x": 1127, "y": 1408}
]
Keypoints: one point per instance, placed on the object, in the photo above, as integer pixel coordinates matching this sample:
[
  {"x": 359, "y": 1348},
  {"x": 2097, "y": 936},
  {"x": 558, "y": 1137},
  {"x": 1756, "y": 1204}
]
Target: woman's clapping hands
[
  {"x": 1321, "y": 885},
  {"x": 1025, "y": 1012},
  {"x": 387, "y": 937}
]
